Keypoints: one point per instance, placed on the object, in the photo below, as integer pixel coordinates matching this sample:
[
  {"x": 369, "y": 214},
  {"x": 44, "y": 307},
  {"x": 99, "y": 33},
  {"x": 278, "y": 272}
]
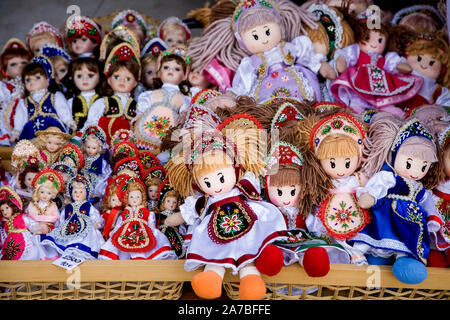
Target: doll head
[
  {"x": 124, "y": 76},
  {"x": 148, "y": 70},
  {"x": 93, "y": 140},
  {"x": 26, "y": 176},
  {"x": 43, "y": 33},
  {"x": 369, "y": 40},
  {"x": 173, "y": 67},
  {"x": 51, "y": 139},
  {"x": 14, "y": 58},
  {"x": 420, "y": 18},
  {"x": 78, "y": 189},
  {"x": 85, "y": 74},
  {"x": 429, "y": 55},
  {"x": 111, "y": 198},
  {"x": 83, "y": 36},
  {"x": 34, "y": 78},
  {"x": 152, "y": 188},
  {"x": 10, "y": 203},
  {"x": 168, "y": 197},
  {"x": 197, "y": 79},
  {"x": 47, "y": 184},
  {"x": 174, "y": 32},
  {"x": 136, "y": 194},
  {"x": 61, "y": 65}
]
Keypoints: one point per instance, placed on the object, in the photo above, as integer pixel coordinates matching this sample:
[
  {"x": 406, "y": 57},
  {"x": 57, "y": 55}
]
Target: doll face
[
  {"x": 218, "y": 182},
  {"x": 15, "y": 66},
  {"x": 53, "y": 143},
  {"x": 92, "y": 147},
  {"x": 149, "y": 74},
  {"x": 411, "y": 167},
  {"x": 6, "y": 210},
  {"x": 446, "y": 159},
  {"x": 115, "y": 202},
  {"x": 86, "y": 80},
  {"x": 46, "y": 194},
  {"x": 197, "y": 79},
  {"x": 175, "y": 39},
  {"x": 376, "y": 43},
  {"x": 340, "y": 167},
  {"x": 83, "y": 45},
  {"x": 79, "y": 192},
  {"x": 171, "y": 72},
  {"x": 426, "y": 64},
  {"x": 135, "y": 198},
  {"x": 66, "y": 177},
  {"x": 152, "y": 192},
  {"x": 37, "y": 43},
  {"x": 170, "y": 203},
  {"x": 61, "y": 69},
  {"x": 36, "y": 82},
  {"x": 122, "y": 81},
  {"x": 285, "y": 196},
  {"x": 262, "y": 38},
  {"x": 29, "y": 179}
]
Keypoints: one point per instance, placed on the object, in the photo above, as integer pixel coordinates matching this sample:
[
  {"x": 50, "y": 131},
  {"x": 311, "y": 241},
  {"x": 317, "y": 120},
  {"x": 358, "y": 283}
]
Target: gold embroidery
[{"x": 38, "y": 107}]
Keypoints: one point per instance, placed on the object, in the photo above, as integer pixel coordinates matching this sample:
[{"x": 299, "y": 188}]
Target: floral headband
[
  {"x": 50, "y": 50},
  {"x": 155, "y": 46},
  {"x": 284, "y": 153},
  {"x": 44, "y": 27},
  {"x": 83, "y": 26},
  {"x": 123, "y": 135},
  {"x": 96, "y": 131},
  {"x": 49, "y": 175},
  {"x": 285, "y": 113},
  {"x": 123, "y": 51},
  {"x": 179, "y": 51},
  {"x": 64, "y": 168},
  {"x": 6, "y": 192},
  {"x": 423, "y": 9},
  {"x": 73, "y": 153},
  {"x": 426, "y": 37},
  {"x": 444, "y": 138}
]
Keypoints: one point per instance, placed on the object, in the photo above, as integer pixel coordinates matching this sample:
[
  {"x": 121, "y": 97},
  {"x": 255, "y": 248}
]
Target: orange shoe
[
  {"x": 252, "y": 287},
  {"x": 207, "y": 285}
]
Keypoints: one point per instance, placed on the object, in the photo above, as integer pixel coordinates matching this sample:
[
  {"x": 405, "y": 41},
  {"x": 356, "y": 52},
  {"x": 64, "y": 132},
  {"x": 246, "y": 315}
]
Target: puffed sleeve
[
  {"x": 96, "y": 217},
  {"x": 144, "y": 101},
  {"x": 444, "y": 97},
  {"x": 392, "y": 61},
  {"x": 429, "y": 204},
  {"x": 95, "y": 113},
  {"x": 32, "y": 225},
  {"x": 152, "y": 219},
  {"x": 188, "y": 211},
  {"x": 251, "y": 178},
  {"x": 378, "y": 185},
  {"x": 63, "y": 110},
  {"x": 315, "y": 226},
  {"x": 102, "y": 182},
  {"x": 70, "y": 103},
  {"x": 20, "y": 117},
  {"x": 305, "y": 54},
  {"x": 350, "y": 53},
  {"x": 244, "y": 78}
]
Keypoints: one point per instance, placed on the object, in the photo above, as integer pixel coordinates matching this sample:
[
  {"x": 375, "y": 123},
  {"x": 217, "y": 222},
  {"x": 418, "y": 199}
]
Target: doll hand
[
  {"x": 341, "y": 64},
  {"x": 366, "y": 201},
  {"x": 97, "y": 225},
  {"x": 404, "y": 67},
  {"x": 433, "y": 226},
  {"x": 174, "y": 220},
  {"x": 73, "y": 126},
  {"x": 327, "y": 71},
  {"x": 13, "y": 138}
]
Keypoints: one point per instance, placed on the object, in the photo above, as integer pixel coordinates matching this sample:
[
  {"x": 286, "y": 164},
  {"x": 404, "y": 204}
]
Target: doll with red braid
[{"x": 232, "y": 227}]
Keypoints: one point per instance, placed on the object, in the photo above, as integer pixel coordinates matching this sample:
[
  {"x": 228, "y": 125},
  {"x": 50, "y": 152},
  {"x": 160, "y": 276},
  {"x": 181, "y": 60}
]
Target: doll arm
[
  {"x": 96, "y": 217},
  {"x": 244, "y": 78},
  {"x": 376, "y": 188},
  {"x": 429, "y": 204},
  {"x": 144, "y": 101},
  {"x": 349, "y": 55},
  {"x": 444, "y": 98},
  {"x": 306, "y": 55},
  {"x": 152, "y": 219},
  {"x": 63, "y": 110},
  {"x": 315, "y": 226},
  {"x": 186, "y": 104},
  {"x": 187, "y": 213},
  {"x": 396, "y": 63},
  {"x": 34, "y": 226}
]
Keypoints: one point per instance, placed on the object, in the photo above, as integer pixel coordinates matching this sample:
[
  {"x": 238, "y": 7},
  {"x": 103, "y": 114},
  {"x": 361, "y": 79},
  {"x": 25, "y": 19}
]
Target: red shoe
[
  {"x": 316, "y": 262},
  {"x": 270, "y": 261}
]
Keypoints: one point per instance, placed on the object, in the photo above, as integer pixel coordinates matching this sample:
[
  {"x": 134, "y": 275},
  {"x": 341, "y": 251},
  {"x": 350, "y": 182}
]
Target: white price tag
[{"x": 68, "y": 260}]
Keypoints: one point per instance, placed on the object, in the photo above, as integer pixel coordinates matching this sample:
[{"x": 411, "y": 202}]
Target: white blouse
[{"x": 145, "y": 98}]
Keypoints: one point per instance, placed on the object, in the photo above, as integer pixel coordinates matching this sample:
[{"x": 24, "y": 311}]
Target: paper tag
[{"x": 69, "y": 260}]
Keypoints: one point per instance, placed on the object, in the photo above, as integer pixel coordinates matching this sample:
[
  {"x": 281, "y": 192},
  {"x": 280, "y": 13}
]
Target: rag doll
[
  {"x": 398, "y": 162},
  {"x": 49, "y": 142},
  {"x": 20, "y": 242},
  {"x": 41, "y": 108},
  {"x": 43, "y": 33},
  {"x": 158, "y": 109},
  {"x": 337, "y": 141},
  {"x": 135, "y": 235},
  {"x": 133, "y": 21},
  {"x": 231, "y": 226},
  {"x": 83, "y": 36},
  {"x": 174, "y": 32},
  {"x": 117, "y": 108},
  {"x": 47, "y": 184},
  {"x": 78, "y": 228},
  {"x": 85, "y": 73},
  {"x": 370, "y": 78}
]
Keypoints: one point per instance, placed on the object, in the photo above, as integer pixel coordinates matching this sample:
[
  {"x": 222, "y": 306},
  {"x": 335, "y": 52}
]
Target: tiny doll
[
  {"x": 369, "y": 78},
  {"x": 61, "y": 61},
  {"x": 72, "y": 155},
  {"x": 131, "y": 166},
  {"x": 14, "y": 57},
  {"x": 336, "y": 139},
  {"x": 24, "y": 186},
  {"x": 49, "y": 142},
  {"x": 96, "y": 168},
  {"x": 41, "y": 108},
  {"x": 160, "y": 108},
  {"x": 116, "y": 109},
  {"x": 113, "y": 203},
  {"x": 83, "y": 36},
  {"x": 421, "y": 17},
  {"x": 134, "y": 22},
  {"x": 169, "y": 201},
  {"x": 43, "y": 33},
  {"x": 174, "y": 32},
  {"x": 47, "y": 184},
  {"x": 398, "y": 164},
  {"x": 20, "y": 242},
  {"x": 232, "y": 227},
  {"x": 197, "y": 82},
  {"x": 67, "y": 172},
  {"x": 135, "y": 235},
  {"x": 78, "y": 226},
  {"x": 86, "y": 77},
  {"x": 153, "y": 178}
]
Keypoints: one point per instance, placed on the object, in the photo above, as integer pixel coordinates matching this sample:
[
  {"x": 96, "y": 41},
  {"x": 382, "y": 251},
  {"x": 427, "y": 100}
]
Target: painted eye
[
  {"x": 419, "y": 58},
  {"x": 424, "y": 168},
  {"x": 79, "y": 76},
  {"x": 222, "y": 179},
  {"x": 149, "y": 73},
  {"x": 408, "y": 165},
  {"x": 255, "y": 37},
  {"x": 333, "y": 165},
  {"x": 208, "y": 184},
  {"x": 347, "y": 165},
  {"x": 280, "y": 193},
  {"x": 268, "y": 32},
  {"x": 380, "y": 40},
  {"x": 431, "y": 63},
  {"x": 293, "y": 192}
]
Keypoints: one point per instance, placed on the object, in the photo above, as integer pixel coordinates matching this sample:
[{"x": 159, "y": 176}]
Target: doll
[
  {"x": 14, "y": 57},
  {"x": 43, "y": 33},
  {"x": 336, "y": 140},
  {"x": 116, "y": 109},
  {"x": 398, "y": 164},
  {"x": 61, "y": 61},
  {"x": 369, "y": 78},
  {"x": 49, "y": 142},
  {"x": 83, "y": 36},
  {"x": 429, "y": 57},
  {"x": 160, "y": 107},
  {"x": 86, "y": 77},
  {"x": 420, "y": 17},
  {"x": 174, "y": 32},
  {"x": 42, "y": 108},
  {"x": 47, "y": 184},
  {"x": 152, "y": 182},
  {"x": 96, "y": 168},
  {"x": 197, "y": 82},
  {"x": 78, "y": 226},
  {"x": 232, "y": 227},
  {"x": 20, "y": 242},
  {"x": 67, "y": 172},
  {"x": 135, "y": 235},
  {"x": 134, "y": 22},
  {"x": 169, "y": 201},
  {"x": 113, "y": 203}
]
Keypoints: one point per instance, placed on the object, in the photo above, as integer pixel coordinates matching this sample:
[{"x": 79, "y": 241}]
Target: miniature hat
[
  {"x": 45, "y": 62},
  {"x": 6, "y": 192},
  {"x": 83, "y": 26},
  {"x": 123, "y": 51},
  {"x": 198, "y": 112},
  {"x": 13, "y": 43},
  {"x": 284, "y": 153},
  {"x": 55, "y": 131},
  {"x": 218, "y": 74},
  {"x": 154, "y": 46},
  {"x": 285, "y": 113},
  {"x": 367, "y": 115},
  {"x": 96, "y": 131},
  {"x": 50, "y": 50},
  {"x": 49, "y": 175},
  {"x": 130, "y": 17},
  {"x": 427, "y": 10},
  {"x": 71, "y": 154},
  {"x": 126, "y": 148},
  {"x": 123, "y": 33},
  {"x": 148, "y": 159},
  {"x": 23, "y": 150},
  {"x": 42, "y": 27},
  {"x": 130, "y": 163},
  {"x": 156, "y": 172},
  {"x": 179, "y": 51},
  {"x": 33, "y": 161},
  {"x": 163, "y": 189},
  {"x": 174, "y": 20},
  {"x": 64, "y": 167},
  {"x": 78, "y": 179},
  {"x": 123, "y": 135}
]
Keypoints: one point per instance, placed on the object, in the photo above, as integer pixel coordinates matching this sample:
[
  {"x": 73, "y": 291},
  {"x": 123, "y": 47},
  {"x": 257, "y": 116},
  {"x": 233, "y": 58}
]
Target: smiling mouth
[
  {"x": 286, "y": 203},
  {"x": 341, "y": 175},
  {"x": 423, "y": 67},
  {"x": 218, "y": 191},
  {"x": 415, "y": 178},
  {"x": 266, "y": 42}
]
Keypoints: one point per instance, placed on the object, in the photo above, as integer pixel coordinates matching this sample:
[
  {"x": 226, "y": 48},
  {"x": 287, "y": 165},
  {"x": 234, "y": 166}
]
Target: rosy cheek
[{"x": 405, "y": 172}]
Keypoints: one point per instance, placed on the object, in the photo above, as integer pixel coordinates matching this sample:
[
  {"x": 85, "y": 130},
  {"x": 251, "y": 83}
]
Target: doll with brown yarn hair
[{"x": 135, "y": 235}]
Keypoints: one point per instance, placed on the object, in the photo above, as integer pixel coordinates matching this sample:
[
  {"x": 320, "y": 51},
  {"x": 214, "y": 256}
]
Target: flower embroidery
[
  {"x": 269, "y": 85},
  {"x": 231, "y": 225},
  {"x": 158, "y": 126},
  {"x": 274, "y": 74},
  {"x": 285, "y": 78},
  {"x": 11, "y": 250},
  {"x": 343, "y": 215}
]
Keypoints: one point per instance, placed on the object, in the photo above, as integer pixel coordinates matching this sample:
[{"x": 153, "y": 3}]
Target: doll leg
[
  {"x": 316, "y": 262},
  {"x": 252, "y": 286},
  {"x": 409, "y": 270},
  {"x": 208, "y": 284},
  {"x": 270, "y": 261},
  {"x": 436, "y": 259}
]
